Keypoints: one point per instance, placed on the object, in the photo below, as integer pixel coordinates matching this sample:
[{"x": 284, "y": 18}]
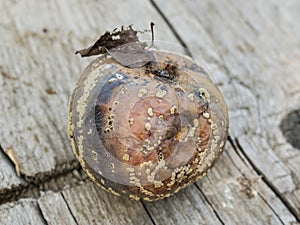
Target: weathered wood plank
[
  {"x": 25, "y": 211},
  {"x": 39, "y": 69},
  {"x": 253, "y": 50},
  {"x": 232, "y": 193},
  {"x": 239, "y": 196},
  {"x": 251, "y": 184},
  {"x": 13, "y": 192},
  {"x": 91, "y": 205},
  {"x": 55, "y": 210},
  {"x": 9, "y": 181},
  {"x": 186, "y": 207}
]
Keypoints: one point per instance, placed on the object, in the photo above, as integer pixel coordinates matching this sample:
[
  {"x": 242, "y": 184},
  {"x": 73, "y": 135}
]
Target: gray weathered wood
[
  {"x": 238, "y": 202},
  {"x": 25, "y": 211},
  {"x": 186, "y": 207},
  {"x": 91, "y": 205},
  {"x": 257, "y": 188},
  {"x": 252, "y": 50},
  {"x": 39, "y": 70},
  {"x": 55, "y": 210},
  {"x": 8, "y": 178}
]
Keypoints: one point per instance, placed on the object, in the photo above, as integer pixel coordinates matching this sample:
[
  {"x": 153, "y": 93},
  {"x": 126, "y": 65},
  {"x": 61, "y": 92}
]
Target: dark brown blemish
[
  {"x": 246, "y": 186},
  {"x": 7, "y": 76},
  {"x": 100, "y": 121},
  {"x": 179, "y": 91},
  {"x": 290, "y": 127},
  {"x": 240, "y": 48},
  {"x": 28, "y": 84},
  {"x": 166, "y": 73},
  {"x": 36, "y": 138},
  {"x": 50, "y": 91}
]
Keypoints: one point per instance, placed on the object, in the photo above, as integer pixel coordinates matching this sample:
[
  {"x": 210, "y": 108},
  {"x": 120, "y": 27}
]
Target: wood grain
[
  {"x": 189, "y": 206},
  {"x": 9, "y": 181},
  {"x": 241, "y": 196},
  {"x": 55, "y": 210},
  {"x": 93, "y": 205},
  {"x": 252, "y": 50},
  {"x": 255, "y": 61},
  {"x": 39, "y": 70},
  {"x": 25, "y": 211}
]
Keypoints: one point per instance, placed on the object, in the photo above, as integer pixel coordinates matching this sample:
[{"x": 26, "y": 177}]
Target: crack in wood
[
  {"x": 59, "y": 170},
  {"x": 9, "y": 155},
  {"x": 9, "y": 191},
  {"x": 271, "y": 208},
  {"x": 210, "y": 204},
  {"x": 55, "y": 183},
  {"x": 267, "y": 182},
  {"x": 70, "y": 211},
  {"x": 41, "y": 213},
  {"x": 236, "y": 151},
  {"x": 246, "y": 163},
  {"x": 148, "y": 213}
]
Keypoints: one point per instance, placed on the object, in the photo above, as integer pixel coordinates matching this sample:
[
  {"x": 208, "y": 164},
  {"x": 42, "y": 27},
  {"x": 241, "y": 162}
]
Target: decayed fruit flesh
[{"x": 149, "y": 131}]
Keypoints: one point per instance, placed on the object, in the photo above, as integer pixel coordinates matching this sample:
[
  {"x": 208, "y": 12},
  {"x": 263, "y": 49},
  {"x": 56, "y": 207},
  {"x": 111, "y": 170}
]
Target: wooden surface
[{"x": 253, "y": 51}]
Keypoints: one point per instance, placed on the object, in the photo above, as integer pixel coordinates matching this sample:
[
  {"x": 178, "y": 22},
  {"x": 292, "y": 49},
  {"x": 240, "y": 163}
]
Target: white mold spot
[
  {"x": 115, "y": 37},
  {"x": 119, "y": 76},
  {"x": 125, "y": 157},
  {"x": 191, "y": 97},
  {"x": 111, "y": 80},
  {"x": 147, "y": 126},
  {"x": 206, "y": 115},
  {"x": 142, "y": 92},
  {"x": 107, "y": 66},
  {"x": 204, "y": 94},
  {"x": 150, "y": 112},
  {"x": 161, "y": 93},
  {"x": 173, "y": 109},
  {"x": 131, "y": 121}
]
